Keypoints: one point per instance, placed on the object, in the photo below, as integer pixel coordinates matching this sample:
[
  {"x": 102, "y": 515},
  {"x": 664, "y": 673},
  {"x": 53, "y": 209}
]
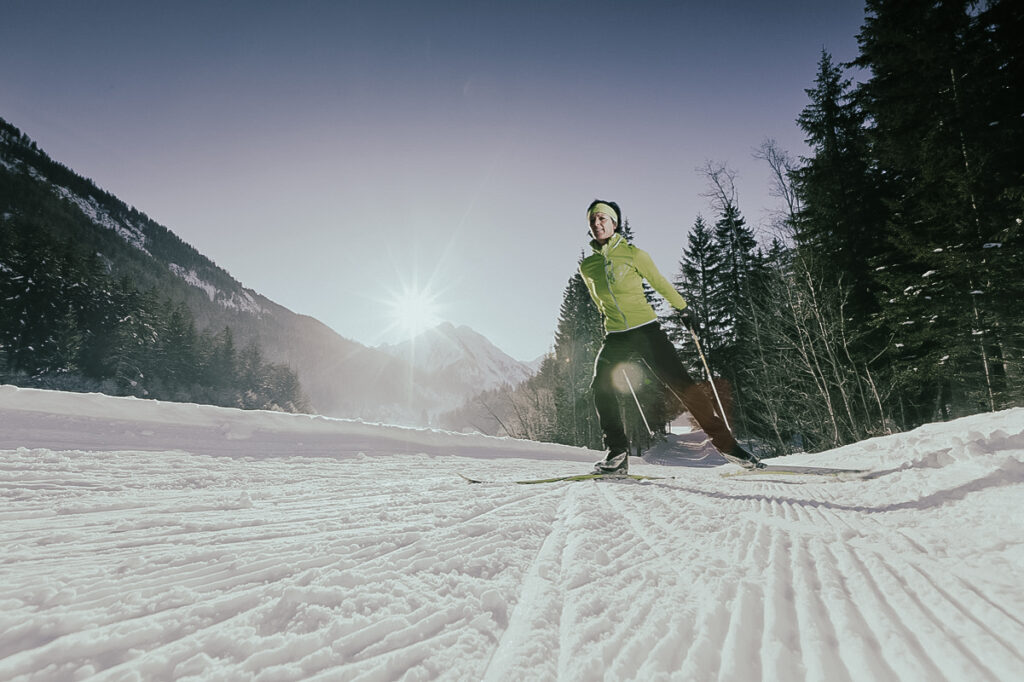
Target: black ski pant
[{"x": 651, "y": 348}]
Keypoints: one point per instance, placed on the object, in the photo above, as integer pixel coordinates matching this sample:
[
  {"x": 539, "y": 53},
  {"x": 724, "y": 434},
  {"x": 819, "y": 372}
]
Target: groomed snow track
[{"x": 275, "y": 565}]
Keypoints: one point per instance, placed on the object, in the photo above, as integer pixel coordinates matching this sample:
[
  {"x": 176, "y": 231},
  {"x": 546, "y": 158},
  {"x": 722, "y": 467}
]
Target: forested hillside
[{"x": 98, "y": 296}]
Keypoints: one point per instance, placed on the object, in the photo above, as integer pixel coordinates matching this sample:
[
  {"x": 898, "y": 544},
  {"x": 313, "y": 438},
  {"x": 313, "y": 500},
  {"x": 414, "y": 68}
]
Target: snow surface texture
[{"x": 156, "y": 541}]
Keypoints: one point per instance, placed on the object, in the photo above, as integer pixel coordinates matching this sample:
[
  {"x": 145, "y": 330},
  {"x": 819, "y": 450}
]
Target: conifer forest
[{"x": 70, "y": 325}]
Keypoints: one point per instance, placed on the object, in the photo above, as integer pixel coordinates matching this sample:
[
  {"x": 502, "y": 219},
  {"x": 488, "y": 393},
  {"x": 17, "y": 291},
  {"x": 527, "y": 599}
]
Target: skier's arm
[
  {"x": 647, "y": 268},
  {"x": 590, "y": 289}
]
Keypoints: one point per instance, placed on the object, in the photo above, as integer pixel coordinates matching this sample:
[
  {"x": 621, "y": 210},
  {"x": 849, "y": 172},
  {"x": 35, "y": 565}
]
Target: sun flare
[{"x": 414, "y": 311}]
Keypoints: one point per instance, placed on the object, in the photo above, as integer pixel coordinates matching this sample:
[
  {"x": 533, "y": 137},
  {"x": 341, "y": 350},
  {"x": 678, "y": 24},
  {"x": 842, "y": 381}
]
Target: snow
[
  {"x": 159, "y": 541},
  {"x": 244, "y": 302},
  {"x": 192, "y": 277},
  {"x": 132, "y": 234}
]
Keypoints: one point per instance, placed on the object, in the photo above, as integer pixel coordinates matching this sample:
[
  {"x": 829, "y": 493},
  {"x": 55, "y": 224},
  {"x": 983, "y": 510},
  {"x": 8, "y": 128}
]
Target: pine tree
[
  {"x": 695, "y": 280},
  {"x": 221, "y": 369},
  {"x": 733, "y": 251},
  {"x": 577, "y": 341},
  {"x": 178, "y": 343},
  {"x": 937, "y": 101},
  {"x": 840, "y": 219},
  {"x": 252, "y": 378},
  {"x": 130, "y": 355}
]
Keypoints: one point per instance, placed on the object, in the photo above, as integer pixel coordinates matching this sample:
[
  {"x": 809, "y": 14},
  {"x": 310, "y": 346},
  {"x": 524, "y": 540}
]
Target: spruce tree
[
  {"x": 577, "y": 341},
  {"x": 695, "y": 280},
  {"x": 179, "y": 350},
  {"x": 733, "y": 252},
  {"x": 840, "y": 220},
  {"x": 950, "y": 294}
]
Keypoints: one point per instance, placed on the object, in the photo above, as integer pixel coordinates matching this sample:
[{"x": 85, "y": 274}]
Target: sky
[{"x": 347, "y": 158}]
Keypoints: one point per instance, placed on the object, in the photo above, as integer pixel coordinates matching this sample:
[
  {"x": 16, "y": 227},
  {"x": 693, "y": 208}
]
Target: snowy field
[{"x": 155, "y": 541}]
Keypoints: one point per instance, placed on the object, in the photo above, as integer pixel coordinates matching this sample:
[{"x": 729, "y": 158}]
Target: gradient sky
[{"x": 330, "y": 155}]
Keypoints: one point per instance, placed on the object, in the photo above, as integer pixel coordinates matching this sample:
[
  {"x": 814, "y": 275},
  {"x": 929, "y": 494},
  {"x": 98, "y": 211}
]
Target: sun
[{"x": 413, "y": 311}]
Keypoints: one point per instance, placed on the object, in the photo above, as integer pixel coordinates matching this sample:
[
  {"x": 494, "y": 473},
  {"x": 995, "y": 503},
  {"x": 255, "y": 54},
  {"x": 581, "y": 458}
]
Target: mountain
[
  {"x": 457, "y": 363},
  {"x": 340, "y": 377},
  {"x": 535, "y": 364}
]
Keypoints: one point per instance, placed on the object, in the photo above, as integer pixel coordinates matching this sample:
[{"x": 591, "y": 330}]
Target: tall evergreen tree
[
  {"x": 178, "y": 341},
  {"x": 937, "y": 102},
  {"x": 696, "y": 281},
  {"x": 840, "y": 220},
  {"x": 577, "y": 340}
]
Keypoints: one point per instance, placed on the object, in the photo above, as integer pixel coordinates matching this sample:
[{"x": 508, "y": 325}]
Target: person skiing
[{"x": 614, "y": 276}]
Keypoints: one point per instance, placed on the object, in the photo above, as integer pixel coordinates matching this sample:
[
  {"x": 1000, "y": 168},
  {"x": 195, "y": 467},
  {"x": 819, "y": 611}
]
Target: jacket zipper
[{"x": 610, "y": 280}]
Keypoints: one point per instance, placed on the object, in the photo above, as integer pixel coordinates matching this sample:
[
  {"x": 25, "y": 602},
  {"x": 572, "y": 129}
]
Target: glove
[{"x": 686, "y": 317}]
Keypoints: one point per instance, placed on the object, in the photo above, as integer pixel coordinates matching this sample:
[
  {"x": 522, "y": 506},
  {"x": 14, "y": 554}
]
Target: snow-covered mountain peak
[{"x": 460, "y": 355}]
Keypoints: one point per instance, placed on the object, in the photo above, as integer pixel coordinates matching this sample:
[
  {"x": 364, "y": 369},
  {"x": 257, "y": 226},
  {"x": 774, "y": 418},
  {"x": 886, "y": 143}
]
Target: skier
[{"x": 614, "y": 276}]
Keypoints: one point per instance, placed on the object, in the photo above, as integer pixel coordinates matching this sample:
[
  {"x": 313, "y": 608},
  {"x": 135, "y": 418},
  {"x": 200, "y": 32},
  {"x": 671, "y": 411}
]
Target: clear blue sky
[{"x": 330, "y": 154}]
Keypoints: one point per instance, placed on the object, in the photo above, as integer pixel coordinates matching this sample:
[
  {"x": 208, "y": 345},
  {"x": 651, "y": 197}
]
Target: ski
[
  {"x": 575, "y": 477},
  {"x": 784, "y": 470}
]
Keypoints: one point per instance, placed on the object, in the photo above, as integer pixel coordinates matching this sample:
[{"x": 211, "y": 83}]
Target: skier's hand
[{"x": 687, "y": 318}]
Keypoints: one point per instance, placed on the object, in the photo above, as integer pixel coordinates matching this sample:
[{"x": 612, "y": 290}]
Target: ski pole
[
  {"x": 711, "y": 378},
  {"x": 642, "y": 415}
]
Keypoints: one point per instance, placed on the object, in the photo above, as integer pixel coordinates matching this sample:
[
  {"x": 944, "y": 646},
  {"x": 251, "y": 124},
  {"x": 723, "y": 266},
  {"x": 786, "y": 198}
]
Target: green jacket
[{"x": 614, "y": 275}]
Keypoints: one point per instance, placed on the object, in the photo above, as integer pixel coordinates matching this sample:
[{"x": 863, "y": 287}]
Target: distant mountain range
[
  {"x": 460, "y": 360},
  {"x": 407, "y": 383}
]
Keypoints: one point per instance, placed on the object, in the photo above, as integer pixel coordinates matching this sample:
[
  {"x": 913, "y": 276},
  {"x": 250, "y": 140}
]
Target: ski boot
[
  {"x": 747, "y": 460},
  {"x": 615, "y": 463}
]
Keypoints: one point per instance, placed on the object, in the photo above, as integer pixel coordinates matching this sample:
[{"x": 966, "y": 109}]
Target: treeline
[
  {"x": 889, "y": 291},
  {"x": 68, "y": 325}
]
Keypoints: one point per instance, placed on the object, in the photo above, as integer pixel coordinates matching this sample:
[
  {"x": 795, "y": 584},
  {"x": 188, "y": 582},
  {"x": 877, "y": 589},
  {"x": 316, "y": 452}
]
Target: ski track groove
[
  {"x": 532, "y": 590},
  {"x": 815, "y": 624},
  {"x": 780, "y": 642},
  {"x": 1010, "y": 622},
  {"x": 722, "y": 613},
  {"x": 674, "y": 516},
  {"x": 112, "y": 635},
  {"x": 969, "y": 613},
  {"x": 899, "y": 640},
  {"x": 624, "y": 651},
  {"x": 817, "y": 511},
  {"x": 858, "y": 645},
  {"x": 922, "y": 600},
  {"x": 852, "y": 572}
]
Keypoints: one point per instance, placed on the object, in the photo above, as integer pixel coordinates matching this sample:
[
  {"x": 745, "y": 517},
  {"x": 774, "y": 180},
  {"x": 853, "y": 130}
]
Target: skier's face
[{"x": 602, "y": 227}]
